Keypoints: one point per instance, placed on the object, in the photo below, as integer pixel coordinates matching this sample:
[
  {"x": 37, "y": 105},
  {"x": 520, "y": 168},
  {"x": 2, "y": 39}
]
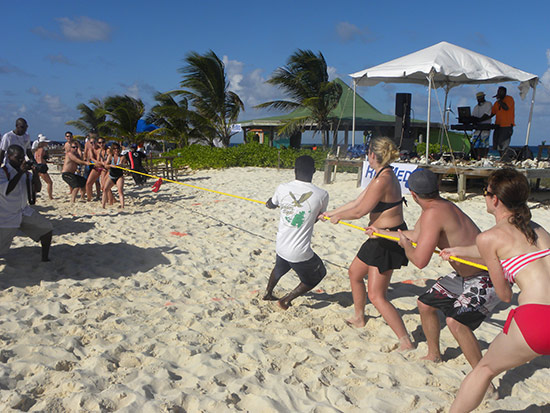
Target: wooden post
[
  {"x": 461, "y": 187},
  {"x": 326, "y": 178}
]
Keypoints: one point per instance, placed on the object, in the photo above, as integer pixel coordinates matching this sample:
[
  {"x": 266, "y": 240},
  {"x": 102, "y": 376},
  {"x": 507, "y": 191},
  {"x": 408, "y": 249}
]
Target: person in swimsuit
[
  {"x": 96, "y": 156},
  {"x": 70, "y": 166},
  {"x": 41, "y": 156},
  {"x": 377, "y": 257},
  {"x": 465, "y": 296},
  {"x": 115, "y": 176},
  {"x": 516, "y": 250}
]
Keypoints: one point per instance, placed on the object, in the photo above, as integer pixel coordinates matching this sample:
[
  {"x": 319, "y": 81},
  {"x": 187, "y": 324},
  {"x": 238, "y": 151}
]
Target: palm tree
[
  {"x": 304, "y": 80},
  {"x": 93, "y": 117},
  {"x": 124, "y": 113},
  {"x": 173, "y": 119},
  {"x": 206, "y": 89}
]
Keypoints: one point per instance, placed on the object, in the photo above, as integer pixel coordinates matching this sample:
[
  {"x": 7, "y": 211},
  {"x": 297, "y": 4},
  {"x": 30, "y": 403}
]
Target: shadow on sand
[{"x": 78, "y": 262}]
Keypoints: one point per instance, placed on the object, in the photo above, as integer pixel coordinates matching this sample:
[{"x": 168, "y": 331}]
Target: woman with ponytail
[
  {"x": 514, "y": 250},
  {"x": 377, "y": 257}
]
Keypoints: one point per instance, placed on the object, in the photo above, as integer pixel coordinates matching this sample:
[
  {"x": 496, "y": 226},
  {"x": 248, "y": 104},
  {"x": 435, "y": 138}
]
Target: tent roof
[
  {"x": 451, "y": 66},
  {"x": 365, "y": 112}
]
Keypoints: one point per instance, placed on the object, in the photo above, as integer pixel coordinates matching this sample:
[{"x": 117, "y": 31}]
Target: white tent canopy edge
[{"x": 445, "y": 65}]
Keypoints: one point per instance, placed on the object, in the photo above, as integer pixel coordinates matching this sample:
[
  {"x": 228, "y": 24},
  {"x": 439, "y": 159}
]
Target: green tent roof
[{"x": 365, "y": 113}]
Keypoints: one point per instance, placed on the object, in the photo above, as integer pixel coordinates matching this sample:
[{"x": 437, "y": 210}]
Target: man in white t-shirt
[
  {"x": 480, "y": 138},
  {"x": 18, "y": 136},
  {"x": 16, "y": 185},
  {"x": 301, "y": 203}
]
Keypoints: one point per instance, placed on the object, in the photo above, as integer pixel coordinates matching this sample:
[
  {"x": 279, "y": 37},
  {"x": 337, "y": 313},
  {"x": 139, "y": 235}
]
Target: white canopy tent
[{"x": 446, "y": 65}]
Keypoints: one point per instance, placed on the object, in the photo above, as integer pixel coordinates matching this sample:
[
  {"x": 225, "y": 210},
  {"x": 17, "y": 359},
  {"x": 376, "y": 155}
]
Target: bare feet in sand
[
  {"x": 269, "y": 297},
  {"x": 356, "y": 322},
  {"x": 405, "y": 344},
  {"x": 283, "y": 304},
  {"x": 432, "y": 357}
]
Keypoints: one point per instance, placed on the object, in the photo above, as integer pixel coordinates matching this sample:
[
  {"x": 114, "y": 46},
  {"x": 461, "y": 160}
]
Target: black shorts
[
  {"x": 502, "y": 137},
  {"x": 382, "y": 253},
  {"x": 468, "y": 300},
  {"x": 74, "y": 181},
  {"x": 310, "y": 272}
]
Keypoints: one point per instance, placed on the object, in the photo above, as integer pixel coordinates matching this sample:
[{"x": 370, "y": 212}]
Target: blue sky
[{"x": 57, "y": 54}]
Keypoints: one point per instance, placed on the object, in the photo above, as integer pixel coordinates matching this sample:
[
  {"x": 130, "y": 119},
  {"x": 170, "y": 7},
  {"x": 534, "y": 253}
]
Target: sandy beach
[{"x": 158, "y": 308}]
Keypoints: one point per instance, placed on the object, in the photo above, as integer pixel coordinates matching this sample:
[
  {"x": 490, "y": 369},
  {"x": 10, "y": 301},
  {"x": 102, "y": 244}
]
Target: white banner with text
[{"x": 401, "y": 170}]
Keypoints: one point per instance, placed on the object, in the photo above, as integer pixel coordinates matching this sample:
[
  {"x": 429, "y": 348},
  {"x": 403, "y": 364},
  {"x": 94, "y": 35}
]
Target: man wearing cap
[
  {"x": 466, "y": 296},
  {"x": 480, "y": 138},
  {"x": 301, "y": 203},
  {"x": 504, "y": 111}
]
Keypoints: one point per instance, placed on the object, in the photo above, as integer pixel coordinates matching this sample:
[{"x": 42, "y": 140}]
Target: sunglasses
[
  {"x": 487, "y": 193},
  {"x": 101, "y": 142}
]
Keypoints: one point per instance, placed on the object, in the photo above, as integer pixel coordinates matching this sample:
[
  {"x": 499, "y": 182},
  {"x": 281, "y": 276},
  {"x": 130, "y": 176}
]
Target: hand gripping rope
[{"x": 389, "y": 237}]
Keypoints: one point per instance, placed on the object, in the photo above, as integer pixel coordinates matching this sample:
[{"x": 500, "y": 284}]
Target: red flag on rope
[{"x": 156, "y": 185}]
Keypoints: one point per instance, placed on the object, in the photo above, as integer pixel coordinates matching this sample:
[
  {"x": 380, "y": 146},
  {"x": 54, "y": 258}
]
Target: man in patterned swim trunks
[{"x": 466, "y": 296}]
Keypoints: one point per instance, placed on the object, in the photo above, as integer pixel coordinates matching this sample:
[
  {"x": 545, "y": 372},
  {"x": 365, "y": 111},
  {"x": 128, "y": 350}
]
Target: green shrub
[
  {"x": 434, "y": 148},
  {"x": 250, "y": 154}
]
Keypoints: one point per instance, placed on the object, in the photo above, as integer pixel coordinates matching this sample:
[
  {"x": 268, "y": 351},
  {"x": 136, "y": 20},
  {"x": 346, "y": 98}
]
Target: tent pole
[
  {"x": 530, "y": 114},
  {"x": 430, "y": 76},
  {"x": 445, "y": 119},
  {"x": 353, "y": 120}
]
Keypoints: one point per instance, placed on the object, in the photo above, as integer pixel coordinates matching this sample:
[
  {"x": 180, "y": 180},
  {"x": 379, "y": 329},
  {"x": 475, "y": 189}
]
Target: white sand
[{"x": 158, "y": 308}]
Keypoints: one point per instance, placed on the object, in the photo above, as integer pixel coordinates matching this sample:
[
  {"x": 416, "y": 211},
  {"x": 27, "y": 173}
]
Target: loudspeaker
[
  {"x": 403, "y": 105},
  {"x": 402, "y": 135}
]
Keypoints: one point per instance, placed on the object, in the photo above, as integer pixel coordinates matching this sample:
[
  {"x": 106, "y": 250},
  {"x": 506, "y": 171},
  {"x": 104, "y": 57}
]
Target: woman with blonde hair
[
  {"x": 516, "y": 250},
  {"x": 377, "y": 257}
]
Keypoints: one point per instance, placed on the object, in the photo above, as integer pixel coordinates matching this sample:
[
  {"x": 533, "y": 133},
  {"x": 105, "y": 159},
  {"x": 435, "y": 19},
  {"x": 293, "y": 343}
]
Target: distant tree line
[{"x": 204, "y": 109}]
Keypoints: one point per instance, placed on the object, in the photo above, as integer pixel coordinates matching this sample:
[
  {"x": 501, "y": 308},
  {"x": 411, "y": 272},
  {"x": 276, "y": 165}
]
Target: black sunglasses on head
[{"x": 487, "y": 193}]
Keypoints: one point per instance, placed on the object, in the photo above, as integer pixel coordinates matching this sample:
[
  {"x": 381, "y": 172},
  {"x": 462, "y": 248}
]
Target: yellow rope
[
  {"x": 392, "y": 238},
  {"x": 470, "y": 263}
]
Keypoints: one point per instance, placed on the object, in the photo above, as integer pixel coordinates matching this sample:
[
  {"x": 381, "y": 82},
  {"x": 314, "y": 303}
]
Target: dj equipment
[
  {"x": 472, "y": 126},
  {"x": 464, "y": 114}
]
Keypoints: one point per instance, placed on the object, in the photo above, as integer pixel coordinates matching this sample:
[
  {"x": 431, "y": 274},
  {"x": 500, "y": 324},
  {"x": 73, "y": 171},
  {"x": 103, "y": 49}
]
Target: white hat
[{"x": 42, "y": 138}]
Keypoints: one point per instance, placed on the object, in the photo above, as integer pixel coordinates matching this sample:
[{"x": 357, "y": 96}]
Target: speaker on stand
[{"x": 402, "y": 136}]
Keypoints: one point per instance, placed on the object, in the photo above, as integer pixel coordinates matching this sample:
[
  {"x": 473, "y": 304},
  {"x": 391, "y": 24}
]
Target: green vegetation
[
  {"x": 434, "y": 148},
  {"x": 251, "y": 154},
  {"x": 304, "y": 80}
]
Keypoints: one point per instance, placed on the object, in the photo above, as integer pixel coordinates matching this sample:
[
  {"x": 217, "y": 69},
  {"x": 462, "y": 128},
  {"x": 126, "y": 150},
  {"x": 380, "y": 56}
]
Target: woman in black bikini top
[{"x": 377, "y": 257}]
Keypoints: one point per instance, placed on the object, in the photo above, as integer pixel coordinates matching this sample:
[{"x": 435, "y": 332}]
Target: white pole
[
  {"x": 530, "y": 114},
  {"x": 445, "y": 119},
  {"x": 429, "y": 113},
  {"x": 353, "y": 120}
]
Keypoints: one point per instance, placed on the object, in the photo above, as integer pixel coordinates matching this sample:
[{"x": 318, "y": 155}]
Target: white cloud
[
  {"x": 59, "y": 58},
  {"x": 53, "y": 104},
  {"x": 332, "y": 73},
  {"x": 138, "y": 90},
  {"x": 348, "y": 32},
  {"x": 80, "y": 29},
  {"x": 7, "y": 68},
  {"x": 251, "y": 87},
  {"x": 33, "y": 90},
  {"x": 545, "y": 78},
  {"x": 84, "y": 29}
]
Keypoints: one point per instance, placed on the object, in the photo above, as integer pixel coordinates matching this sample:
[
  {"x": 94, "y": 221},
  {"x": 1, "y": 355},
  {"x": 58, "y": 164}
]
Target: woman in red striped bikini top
[{"x": 514, "y": 250}]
